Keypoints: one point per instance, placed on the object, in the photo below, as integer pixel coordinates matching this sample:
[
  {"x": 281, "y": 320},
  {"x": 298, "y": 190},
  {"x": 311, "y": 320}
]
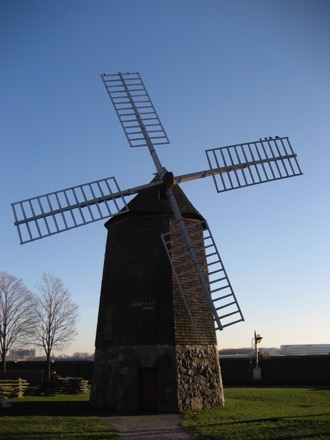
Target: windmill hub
[{"x": 168, "y": 180}]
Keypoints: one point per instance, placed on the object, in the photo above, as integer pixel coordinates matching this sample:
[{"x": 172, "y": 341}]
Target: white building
[{"x": 305, "y": 349}]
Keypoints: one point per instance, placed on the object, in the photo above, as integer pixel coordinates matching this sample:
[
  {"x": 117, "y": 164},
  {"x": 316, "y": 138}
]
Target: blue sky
[{"x": 219, "y": 73}]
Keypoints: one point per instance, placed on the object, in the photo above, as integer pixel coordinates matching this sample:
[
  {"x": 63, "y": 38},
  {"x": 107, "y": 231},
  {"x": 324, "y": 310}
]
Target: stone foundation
[
  {"x": 199, "y": 377},
  {"x": 160, "y": 378}
]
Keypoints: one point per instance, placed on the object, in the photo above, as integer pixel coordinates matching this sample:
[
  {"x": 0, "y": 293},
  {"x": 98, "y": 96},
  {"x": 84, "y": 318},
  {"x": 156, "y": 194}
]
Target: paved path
[{"x": 150, "y": 427}]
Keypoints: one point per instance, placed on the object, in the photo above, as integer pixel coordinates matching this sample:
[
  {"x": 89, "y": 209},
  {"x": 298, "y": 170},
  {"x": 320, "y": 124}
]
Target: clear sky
[{"x": 219, "y": 72}]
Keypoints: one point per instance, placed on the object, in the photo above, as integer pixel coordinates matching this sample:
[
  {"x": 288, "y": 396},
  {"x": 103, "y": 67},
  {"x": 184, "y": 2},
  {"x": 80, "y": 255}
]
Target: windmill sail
[
  {"x": 66, "y": 209},
  {"x": 253, "y": 163},
  {"x": 219, "y": 296},
  {"x": 135, "y": 110}
]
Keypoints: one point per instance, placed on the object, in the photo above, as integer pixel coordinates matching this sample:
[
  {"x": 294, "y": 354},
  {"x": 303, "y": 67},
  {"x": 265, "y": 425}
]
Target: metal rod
[
  {"x": 137, "y": 189},
  {"x": 221, "y": 170}
]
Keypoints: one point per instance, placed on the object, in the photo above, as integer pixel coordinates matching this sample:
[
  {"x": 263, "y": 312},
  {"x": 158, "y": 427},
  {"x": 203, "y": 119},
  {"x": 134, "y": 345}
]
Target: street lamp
[{"x": 257, "y": 370}]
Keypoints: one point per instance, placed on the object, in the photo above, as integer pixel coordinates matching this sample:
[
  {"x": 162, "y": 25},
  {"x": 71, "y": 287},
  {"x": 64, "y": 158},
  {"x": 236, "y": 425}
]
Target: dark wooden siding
[
  {"x": 137, "y": 272},
  {"x": 137, "y": 284}
]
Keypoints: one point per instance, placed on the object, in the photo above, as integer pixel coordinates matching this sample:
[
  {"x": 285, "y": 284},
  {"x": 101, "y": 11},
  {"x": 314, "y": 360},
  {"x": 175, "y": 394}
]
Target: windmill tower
[
  {"x": 146, "y": 346},
  {"x": 165, "y": 290}
]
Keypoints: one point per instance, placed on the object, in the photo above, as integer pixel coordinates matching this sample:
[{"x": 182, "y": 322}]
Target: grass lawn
[
  {"x": 65, "y": 417},
  {"x": 265, "y": 413},
  {"x": 249, "y": 413}
]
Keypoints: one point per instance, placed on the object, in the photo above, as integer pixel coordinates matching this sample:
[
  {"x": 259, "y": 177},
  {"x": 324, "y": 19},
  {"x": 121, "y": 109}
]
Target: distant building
[
  {"x": 284, "y": 350},
  {"x": 15, "y": 355},
  {"x": 305, "y": 349},
  {"x": 236, "y": 352}
]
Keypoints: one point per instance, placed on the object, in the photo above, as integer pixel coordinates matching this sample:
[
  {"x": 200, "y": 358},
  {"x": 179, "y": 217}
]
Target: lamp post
[{"x": 256, "y": 371}]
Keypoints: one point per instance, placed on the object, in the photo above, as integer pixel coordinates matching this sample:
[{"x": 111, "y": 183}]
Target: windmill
[{"x": 137, "y": 349}]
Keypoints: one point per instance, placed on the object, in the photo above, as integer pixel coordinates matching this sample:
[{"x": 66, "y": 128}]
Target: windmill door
[{"x": 148, "y": 389}]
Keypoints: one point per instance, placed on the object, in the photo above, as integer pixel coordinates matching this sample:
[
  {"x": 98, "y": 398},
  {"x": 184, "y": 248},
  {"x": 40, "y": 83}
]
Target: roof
[{"x": 154, "y": 201}]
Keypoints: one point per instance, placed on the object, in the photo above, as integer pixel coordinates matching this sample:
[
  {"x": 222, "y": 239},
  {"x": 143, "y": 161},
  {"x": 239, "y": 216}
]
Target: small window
[{"x": 148, "y": 303}]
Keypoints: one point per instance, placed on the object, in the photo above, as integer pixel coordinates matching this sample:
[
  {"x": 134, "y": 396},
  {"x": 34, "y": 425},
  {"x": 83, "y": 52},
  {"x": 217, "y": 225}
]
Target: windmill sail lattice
[
  {"x": 220, "y": 295},
  {"x": 253, "y": 163},
  {"x": 135, "y": 110},
  {"x": 66, "y": 209}
]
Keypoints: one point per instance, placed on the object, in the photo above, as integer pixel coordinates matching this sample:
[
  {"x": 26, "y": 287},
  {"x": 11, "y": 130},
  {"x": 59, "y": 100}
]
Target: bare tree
[
  {"x": 57, "y": 316},
  {"x": 17, "y": 315}
]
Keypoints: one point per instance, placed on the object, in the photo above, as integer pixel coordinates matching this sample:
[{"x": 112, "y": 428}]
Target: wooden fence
[{"x": 276, "y": 370}]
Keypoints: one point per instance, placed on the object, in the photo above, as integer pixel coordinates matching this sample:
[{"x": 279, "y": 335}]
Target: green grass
[
  {"x": 263, "y": 414},
  {"x": 65, "y": 417},
  {"x": 249, "y": 413}
]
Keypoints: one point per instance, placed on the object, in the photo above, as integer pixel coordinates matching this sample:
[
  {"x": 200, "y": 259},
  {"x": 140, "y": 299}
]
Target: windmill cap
[{"x": 154, "y": 201}]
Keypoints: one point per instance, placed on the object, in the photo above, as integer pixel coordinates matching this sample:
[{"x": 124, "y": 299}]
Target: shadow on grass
[
  {"x": 66, "y": 408},
  {"x": 320, "y": 428}
]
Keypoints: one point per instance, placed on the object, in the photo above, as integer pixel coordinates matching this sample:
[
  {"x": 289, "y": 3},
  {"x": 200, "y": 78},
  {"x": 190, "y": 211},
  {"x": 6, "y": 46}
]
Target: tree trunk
[
  {"x": 3, "y": 364},
  {"x": 48, "y": 366}
]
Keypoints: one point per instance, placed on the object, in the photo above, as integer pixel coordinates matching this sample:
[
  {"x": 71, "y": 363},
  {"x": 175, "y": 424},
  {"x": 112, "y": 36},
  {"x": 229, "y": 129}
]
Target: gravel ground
[{"x": 150, "y": 427}]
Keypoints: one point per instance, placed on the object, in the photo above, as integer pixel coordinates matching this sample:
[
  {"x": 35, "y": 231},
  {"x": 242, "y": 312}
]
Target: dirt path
[{"x": 150, "y": 427}]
